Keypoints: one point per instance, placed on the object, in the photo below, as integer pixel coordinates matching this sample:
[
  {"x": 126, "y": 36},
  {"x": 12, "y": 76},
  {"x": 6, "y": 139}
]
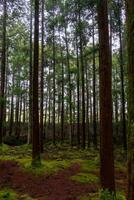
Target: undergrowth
[{"x": 85, "y": 178}]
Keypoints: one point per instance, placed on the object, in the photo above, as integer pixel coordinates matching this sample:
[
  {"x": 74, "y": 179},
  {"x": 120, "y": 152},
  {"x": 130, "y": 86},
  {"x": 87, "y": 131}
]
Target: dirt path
[{"x": 54, "y": 187}]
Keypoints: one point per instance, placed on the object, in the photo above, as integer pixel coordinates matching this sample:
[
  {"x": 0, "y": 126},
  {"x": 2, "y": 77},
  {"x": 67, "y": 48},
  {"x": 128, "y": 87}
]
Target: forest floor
[{"x": 65, "y": 174}]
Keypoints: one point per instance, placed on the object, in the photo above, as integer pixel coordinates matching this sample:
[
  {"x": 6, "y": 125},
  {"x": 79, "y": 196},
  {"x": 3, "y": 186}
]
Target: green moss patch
[
  {"x": 4, "y": 149},
  {"x": 7, "y": 194},
  {"x": 47, "y": 167},
  {"x": 88, "y": 165},
  {"x": 85, "y": 178}
]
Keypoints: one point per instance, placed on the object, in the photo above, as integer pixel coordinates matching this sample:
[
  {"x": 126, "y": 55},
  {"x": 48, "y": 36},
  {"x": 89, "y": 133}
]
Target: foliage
[{"x": 107, "y": 195}]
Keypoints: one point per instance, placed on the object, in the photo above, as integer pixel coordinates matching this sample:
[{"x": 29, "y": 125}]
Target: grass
[
  {"x": 47, "y": 167},
  {"x": 85, "y": 178}
]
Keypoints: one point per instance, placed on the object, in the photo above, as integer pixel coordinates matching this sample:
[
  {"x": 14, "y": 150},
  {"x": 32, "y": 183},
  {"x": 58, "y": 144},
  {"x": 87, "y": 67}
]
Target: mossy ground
[
  {"x": 61, "y": 157},
  {"x": 8, "y": 194},
  {"x": 97, "y": 196},
  {"x": 85, "y": 178}
]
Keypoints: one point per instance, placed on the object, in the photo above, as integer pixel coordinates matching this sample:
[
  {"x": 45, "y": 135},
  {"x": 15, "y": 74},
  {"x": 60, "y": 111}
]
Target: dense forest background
[
  {"x": 68, "y": 69},
  {"x": 64, "y": 78}
]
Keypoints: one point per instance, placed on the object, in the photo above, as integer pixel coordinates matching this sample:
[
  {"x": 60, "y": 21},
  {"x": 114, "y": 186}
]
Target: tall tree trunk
[
  {"x": 42, "y": 82},
  {"x": 78, "y": 94},
  {"x": 122, "y": 81},
  {"x": 35, "y": 114},
  {"x": 94, "y": 91},
  {"x": 87, "y": 111},
  {"x": 3, "y": 69},
  {"x": 69, "y": 87},
  {"x": 54, "y": 88},
  {"x": 83, "y": 84},
  {"x": 62, "y": 95},
  {"x": 30, "y": 76},
  {"x": 130, "y": 43},
  {"x": 106, "y": 151}
]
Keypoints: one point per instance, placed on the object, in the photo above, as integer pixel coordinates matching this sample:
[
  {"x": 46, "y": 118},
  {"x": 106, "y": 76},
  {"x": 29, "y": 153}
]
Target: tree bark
[
  {"x": 130, "y": 69},
  {"x": 35, "y": 114},
  {"x": 3, "y": 70},
  {"x": 106, "y": 151}
]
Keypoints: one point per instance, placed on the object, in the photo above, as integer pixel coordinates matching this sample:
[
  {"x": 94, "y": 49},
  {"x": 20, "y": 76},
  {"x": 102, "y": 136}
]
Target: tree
[
  {"x": 130, "y": 69},
  {"x": 35, "y": 115},
  {"x": 122, "y": 79},
  {"x": 3, "y": 69},
  {"x": 30, "y": 74},
  {"x": 106, "y": 148},
  {"x": 42, "y": 81}
]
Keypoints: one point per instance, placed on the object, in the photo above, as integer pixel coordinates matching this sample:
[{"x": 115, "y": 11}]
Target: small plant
[{"x": 108, "y": 195}]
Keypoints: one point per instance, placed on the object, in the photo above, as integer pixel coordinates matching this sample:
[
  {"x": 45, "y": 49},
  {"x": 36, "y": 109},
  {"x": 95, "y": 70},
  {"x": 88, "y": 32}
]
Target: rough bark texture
[
  {"x": 30, "y": 76},
  {"x": 42, "y": 82},
  {"x": 35, "y": 115},
  {"x": 130, "y": 42},
  {"x": 3, "y": 69},
  {"x": 107, "y": 158}
]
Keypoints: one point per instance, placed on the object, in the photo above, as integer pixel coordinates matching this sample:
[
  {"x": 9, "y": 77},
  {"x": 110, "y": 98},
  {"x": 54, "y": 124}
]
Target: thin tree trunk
[
  {"x": 42, "y": 82},
  {"x": 69, "y": 88},
  {"x": 94, "y": 92},
  {"x": 54, "y": 89},
  {"x": 78, "y": 94},
  {"x": 35, "y": 114},
  {"x": 122, "y": 82},
  {"x": 30, "y": 77},
  {"x": 12, "y": 109},
  {"x": 83, "y": 86}
]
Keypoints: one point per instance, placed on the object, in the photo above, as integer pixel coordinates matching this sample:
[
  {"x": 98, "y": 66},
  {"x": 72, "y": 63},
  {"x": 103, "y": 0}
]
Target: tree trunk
[
  {"x": 30, "y": 77},
  {"x": 130, "y": 43},
  {"x": 122, "y": 82},
  {"x": 106, "y": 151},
  {"x": 94, "y": 92},
  {"x": 3, "y": 69},
  {"x": 54, "y": 89},
  {"x": 83, "y": 85},
  {"x": 35, "y": 114},
  {"x": 42, "y": 82},
  {"x": 69, "y": 87}
]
